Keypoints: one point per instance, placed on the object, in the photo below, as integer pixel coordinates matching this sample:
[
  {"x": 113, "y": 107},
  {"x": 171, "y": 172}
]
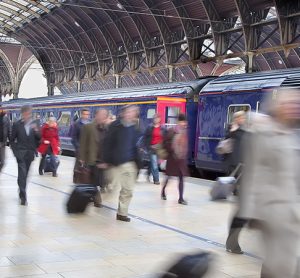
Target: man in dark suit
[{"x": 25, "y": 138}]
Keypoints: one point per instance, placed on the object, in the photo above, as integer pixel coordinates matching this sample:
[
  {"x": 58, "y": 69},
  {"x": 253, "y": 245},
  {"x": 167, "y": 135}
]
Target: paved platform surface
[{"x": 43, "y": 241}]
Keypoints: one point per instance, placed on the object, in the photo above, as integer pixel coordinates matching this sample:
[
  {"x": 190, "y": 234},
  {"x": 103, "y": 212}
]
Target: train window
[
  {"x": 64, "y": 119},
  {"x": 76, "y": 116},
  {"x": 172, "y": 113},
  {"x": 14, "y": 117},
  {"x": 150, "y": 113},
  {"x": 235, "y": 108}
]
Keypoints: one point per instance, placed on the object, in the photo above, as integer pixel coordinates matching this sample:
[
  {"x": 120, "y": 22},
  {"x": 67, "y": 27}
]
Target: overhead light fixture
[
  {"x": 120, "y": 6},
  {"x": 77, "y": 24}
]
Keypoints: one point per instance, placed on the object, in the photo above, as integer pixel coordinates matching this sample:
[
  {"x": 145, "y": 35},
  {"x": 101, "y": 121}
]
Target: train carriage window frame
[
  {"x": 230, "y": 112},
  {"x": 171, "y": 117},
  {"x": 76, "y": 116},
  {"x": 150, "y": 113},
  {"x": 61, "y": 122}
]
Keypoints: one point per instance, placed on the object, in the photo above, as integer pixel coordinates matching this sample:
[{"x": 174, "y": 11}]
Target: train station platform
[{"x": 41, "y": 240}]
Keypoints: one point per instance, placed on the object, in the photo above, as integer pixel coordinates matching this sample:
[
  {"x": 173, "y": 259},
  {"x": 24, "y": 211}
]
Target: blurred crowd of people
[{"x": 113, "y": 150}]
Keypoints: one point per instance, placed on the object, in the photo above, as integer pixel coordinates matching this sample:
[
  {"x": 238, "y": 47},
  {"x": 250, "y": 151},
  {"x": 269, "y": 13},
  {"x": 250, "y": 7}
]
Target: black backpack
[{"x": 189, "y": 266}]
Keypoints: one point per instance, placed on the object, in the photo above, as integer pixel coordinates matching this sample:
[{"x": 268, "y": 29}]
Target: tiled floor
[{"x": 43, "y": 241}]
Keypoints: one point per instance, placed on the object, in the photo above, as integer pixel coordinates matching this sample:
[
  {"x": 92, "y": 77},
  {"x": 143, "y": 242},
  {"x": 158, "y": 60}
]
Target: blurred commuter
[
  {"x": 120, "y": 151},
  {"x": 50, "y": 146},
  {"x": 153, "y": 139},
  {"x": 237, "y": 133},
  {"x": 91, "y": 149},
  {"x": 84, "y": 119},
  {"x": 75, "y": 135},
  {"x": 4, "y": 135},
  {"x": 269, "y": 194},
  {"x": 176, "y": 144},
  {"x": 24, "y": 140}
]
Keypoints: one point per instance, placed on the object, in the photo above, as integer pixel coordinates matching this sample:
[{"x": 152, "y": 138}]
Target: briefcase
[
  {"x": 82, "y": 175},
  {"x": 81, "y": 196}
]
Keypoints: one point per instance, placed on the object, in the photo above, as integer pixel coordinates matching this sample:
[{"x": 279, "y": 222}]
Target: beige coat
[{"x": 270, "y": 193}]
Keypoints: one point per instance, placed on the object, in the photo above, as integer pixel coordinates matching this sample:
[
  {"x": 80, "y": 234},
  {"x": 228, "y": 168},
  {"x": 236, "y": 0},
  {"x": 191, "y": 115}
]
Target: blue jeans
[{"x": 154, "y": 167}]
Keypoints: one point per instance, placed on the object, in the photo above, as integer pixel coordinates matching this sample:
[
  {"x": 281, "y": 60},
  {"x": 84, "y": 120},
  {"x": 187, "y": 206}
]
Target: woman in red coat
[
  {"x": 176, "y": 143},
  {"x": 50, "y": 145}
]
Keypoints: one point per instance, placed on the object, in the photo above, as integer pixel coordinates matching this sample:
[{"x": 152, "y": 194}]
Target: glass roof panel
[
  {"x": 22, "y": 2},
  {"x": 5, "y": 12},
  {"x": 10, "y": 6}
]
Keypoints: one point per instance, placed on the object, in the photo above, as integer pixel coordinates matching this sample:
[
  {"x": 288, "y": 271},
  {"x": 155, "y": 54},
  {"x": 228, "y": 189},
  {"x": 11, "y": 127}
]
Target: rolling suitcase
[
  {"x": 81, "y": 196},
  {"x": 189, "y": 266},
  {"x": 51, "y": 163},
  {"x": 224, "y": 186}
]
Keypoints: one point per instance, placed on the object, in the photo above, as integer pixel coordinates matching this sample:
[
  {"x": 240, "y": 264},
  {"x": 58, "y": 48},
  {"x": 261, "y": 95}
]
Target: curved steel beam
[
  {"x": 218, "y": 27},
  {"x": 40, "y": 51},
  {"x": 99, "y": 54},
  {"x": 122, "y": 33},
  {"x": 287, "y": 24},
  {"x": 46, "y": 41},
  {"x": 83, "y": 40},
  {"x": 141, "y": 29},
  {"x": 117, "y": 58},
  {"x": 165, "y": 32},
  {"x": 60, "y": 40}
]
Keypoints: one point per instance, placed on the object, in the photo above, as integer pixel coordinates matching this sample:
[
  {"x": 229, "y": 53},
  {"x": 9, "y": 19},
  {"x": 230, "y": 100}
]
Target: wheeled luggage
[
  {"x": 189, "y": 266},
  {"x": 224, "y": 186},
  {"x": 51, "y": 163},
  {"x": 81, "y": 196}
]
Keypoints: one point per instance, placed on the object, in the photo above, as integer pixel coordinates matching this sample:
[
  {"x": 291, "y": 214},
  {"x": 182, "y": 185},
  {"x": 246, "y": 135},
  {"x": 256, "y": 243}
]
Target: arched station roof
[{"x": 86, "y": 44}]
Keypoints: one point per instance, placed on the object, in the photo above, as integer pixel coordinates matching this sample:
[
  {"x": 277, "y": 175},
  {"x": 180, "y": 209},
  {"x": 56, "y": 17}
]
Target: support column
[
  {"x": 50, "y": 90},
  {"x": 79, "y": 86},
  {"x": 250, "y": 62},
  {"x": 118, "y": 81},
  {"x": 171, "y": 74}
]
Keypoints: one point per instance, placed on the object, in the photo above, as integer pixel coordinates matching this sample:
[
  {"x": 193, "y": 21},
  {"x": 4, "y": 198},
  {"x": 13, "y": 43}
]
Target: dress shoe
[
  {"x": 238, "y": 252},
  {"x": 23, "y": 202},
  {"x": 123, "y": 218},
  {"x": 41, "y": 172},
  {"x": 182, "y": 202},
  {"x": 163, "y": 197}
]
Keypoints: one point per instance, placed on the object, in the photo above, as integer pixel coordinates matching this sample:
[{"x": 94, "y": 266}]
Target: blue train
[{"x": 208, "y": 102}]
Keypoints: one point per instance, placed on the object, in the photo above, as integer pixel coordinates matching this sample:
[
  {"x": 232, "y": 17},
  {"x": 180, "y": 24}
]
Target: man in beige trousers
[{"x": 120, "y": 151}]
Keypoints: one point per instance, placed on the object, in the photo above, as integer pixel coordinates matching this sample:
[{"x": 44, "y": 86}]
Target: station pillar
[
  {"x": 50, "y": 90},
  {"x": 118, "y": 81}
]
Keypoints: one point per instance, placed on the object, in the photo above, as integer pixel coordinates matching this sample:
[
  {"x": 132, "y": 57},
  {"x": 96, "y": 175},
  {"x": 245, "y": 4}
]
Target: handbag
[
  {"x": 82, "y": 174},
  {"x": 160, "y": 151},
  {"x": 225, "y": 146}
]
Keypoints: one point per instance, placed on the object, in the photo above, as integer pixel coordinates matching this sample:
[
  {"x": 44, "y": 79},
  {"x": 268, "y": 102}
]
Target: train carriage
[
  {"x": 209, "y": 104},
  {"x": 166, "y": 99},
  {"x": 224, "y": 96}
]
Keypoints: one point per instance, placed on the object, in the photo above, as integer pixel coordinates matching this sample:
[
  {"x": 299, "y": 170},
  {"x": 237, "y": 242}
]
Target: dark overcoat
[{"x": 174, "y": 166}]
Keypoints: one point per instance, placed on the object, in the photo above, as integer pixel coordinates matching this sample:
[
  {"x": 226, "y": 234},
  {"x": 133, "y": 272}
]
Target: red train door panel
[{"x": 169, "y": 108}]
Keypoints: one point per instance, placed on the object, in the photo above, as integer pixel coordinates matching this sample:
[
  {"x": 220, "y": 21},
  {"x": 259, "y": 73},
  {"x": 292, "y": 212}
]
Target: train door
[{"x": 169, "y": 108}]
